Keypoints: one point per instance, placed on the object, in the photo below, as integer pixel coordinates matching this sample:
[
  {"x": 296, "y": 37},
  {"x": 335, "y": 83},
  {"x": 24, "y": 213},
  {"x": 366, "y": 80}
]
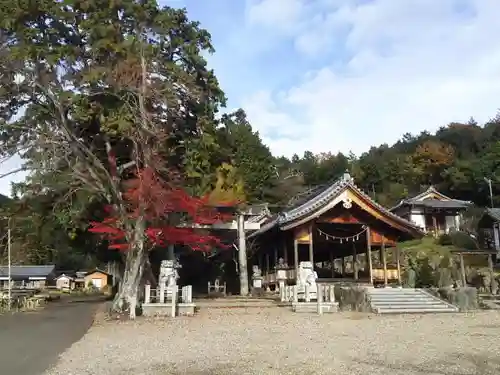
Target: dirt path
[{"x": 32, "y": 342}]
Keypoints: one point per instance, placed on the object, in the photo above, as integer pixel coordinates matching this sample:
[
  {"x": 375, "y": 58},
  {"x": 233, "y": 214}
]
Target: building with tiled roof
[
  {"x": 331, "y": 222},
  {"x": 433, "y": 211}
]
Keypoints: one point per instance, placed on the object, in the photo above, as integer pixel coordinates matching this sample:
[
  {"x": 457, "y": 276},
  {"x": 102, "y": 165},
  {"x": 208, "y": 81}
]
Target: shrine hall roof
[
  {"x": 319, "y": 197},
  {"x": 432, "y": 198}
]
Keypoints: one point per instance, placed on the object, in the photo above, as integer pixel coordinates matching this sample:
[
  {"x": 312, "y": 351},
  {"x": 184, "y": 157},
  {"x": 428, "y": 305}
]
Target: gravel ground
[{"x": 277, "y": 341}]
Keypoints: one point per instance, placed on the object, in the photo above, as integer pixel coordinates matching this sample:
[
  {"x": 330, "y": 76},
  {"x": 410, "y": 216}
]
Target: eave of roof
[
  {"x": 494, "y": 213},
  {"x": 97, "y": 270},
  {"x": 416, "y": 200},
  {"x": 432, "y": 190},
  {"x": 454, "y": 203},
  {"x": 27, "y": 271},
  {"x": 272, "y": 223},
  {"x": 65, "y": 276}
]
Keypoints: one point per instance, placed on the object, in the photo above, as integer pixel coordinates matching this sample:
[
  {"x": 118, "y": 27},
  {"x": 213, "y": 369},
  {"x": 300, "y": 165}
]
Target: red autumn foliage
[{"x": 160, "y": 202}]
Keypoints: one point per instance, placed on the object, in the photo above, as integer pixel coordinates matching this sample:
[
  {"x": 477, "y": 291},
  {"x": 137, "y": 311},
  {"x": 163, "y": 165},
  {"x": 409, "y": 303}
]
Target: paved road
[{"x": 32, "y": 342}]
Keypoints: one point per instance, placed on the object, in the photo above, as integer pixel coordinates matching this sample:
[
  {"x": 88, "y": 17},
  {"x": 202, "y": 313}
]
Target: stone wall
[{"x": 465, "y": 298}]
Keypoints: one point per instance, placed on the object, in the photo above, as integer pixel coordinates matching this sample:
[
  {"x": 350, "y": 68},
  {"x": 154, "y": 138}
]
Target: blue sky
[{"x": 343, "y": 75}]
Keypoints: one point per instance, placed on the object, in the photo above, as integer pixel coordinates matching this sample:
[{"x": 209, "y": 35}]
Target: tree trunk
[{"x": 127, "y": 297}]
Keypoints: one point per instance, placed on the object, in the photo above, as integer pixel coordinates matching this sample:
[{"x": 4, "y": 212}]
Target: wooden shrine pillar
[
  {"x": 276, "y": 257},
  {"x": 332, "y": 264},
  {"x": 267, "y": 264},
  {"x": 296, "y": 257},
  {"x": 343, "y": 266},
  {"x": 311, "y": 248},
  {"x": 285, "y": 251},
  {"x": 384, "y": 260},
  {"x": 398, "y": 263},
  {"x": 369, "y": 254},
  {"x": 355, "y": 261},
  {"x": 462, "y": 270},
  {"x": 434, "y": 223}
]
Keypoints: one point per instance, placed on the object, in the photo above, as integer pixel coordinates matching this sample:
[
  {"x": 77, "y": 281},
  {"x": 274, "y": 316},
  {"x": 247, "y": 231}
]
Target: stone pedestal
[
  {"x": 257, "y": 282},
  {"x": 306, "y": 282},
  {"x": 281, "y": 279},
  {"x": 257, "y": 278}
]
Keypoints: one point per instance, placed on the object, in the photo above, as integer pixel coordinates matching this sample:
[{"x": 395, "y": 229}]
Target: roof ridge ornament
[
  {"x": 347, "y": 203},
  {"x": 346, "y": 177}
]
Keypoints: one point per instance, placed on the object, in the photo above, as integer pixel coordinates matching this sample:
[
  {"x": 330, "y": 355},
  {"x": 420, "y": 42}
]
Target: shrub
[
  {"x": 352, "y": 298},
  {"x": 465, "y": 299},
  {"x": 107, "y": 290}
]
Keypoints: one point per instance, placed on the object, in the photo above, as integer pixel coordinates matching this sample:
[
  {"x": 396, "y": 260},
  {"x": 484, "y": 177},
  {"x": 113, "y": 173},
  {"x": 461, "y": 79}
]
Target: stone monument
[
  {"x": 257, "y": 290},
  {"x": 168, "y": 276},
  {"x": 307, "y": 279},
  {"x": 256, "y": 277}
]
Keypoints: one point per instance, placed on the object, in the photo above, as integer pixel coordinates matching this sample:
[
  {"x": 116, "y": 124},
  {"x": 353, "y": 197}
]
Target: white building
[{"x": 433, "y": 211}]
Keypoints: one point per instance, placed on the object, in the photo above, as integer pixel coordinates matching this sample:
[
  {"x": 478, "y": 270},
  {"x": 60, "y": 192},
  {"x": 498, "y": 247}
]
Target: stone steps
[
  {"x": 406, "y": 301},
  {"x": 489, "y": 301}
]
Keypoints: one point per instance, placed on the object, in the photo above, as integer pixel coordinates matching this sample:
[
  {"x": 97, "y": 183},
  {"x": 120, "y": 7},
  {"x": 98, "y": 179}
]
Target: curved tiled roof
[
  {"x": 321, "y": 197},
  {"x": 416, "y": 200}
]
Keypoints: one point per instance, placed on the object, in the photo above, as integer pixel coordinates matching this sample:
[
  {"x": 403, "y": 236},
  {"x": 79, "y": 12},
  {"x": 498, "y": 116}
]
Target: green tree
[{"x": 244, "y": 149}]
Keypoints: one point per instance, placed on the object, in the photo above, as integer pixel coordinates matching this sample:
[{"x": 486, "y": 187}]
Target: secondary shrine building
[
  {"x": 432, "y": 211},
  {"x": 341, "y": 230}
]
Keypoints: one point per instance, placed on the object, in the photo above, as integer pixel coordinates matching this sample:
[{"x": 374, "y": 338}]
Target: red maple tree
[{"x": 172, "y": 215}]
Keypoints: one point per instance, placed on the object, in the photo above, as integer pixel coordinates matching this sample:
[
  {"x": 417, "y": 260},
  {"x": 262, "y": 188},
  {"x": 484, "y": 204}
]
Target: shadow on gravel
[
  {"x": 87, "y": 300},
  {"x": 173, "y": 370},
  {"x": 225, "y": 369},
  {"x": 459, "y": 364}
]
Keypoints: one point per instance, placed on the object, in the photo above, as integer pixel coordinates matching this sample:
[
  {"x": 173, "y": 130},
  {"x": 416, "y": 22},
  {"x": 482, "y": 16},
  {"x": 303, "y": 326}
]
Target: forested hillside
[{"x": 456, "y": 159}]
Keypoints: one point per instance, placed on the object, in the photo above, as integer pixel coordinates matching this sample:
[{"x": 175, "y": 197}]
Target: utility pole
[
  {"x": 488, "y": 180},
  {"x": 9, "y": 265},
  {"x": 242, "y": 254}
]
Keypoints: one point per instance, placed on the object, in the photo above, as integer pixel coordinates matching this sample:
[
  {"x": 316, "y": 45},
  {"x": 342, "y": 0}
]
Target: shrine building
[
  {"x": 341, "y": 230},
  {"x": 432, "y": 211}
]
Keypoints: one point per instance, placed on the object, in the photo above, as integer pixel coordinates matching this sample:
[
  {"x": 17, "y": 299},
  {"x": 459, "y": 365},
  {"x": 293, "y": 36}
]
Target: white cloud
[
  {"x": 279, "y": 15},
  {"x": 411, "y": 65}
]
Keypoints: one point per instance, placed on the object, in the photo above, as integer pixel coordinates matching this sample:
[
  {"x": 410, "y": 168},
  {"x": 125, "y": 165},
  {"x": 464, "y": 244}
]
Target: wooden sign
[
  {"x": 377, "y": 238},
  {"x": 341, "y": 218}
]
